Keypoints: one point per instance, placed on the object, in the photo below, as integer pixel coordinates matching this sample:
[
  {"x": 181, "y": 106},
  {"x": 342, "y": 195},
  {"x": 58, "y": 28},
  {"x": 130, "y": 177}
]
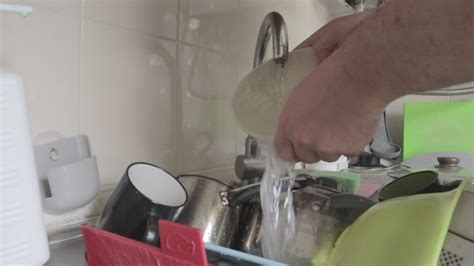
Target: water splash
[
  {"x": 279, "y": 87},
  {"x": 278, "y": 229}
]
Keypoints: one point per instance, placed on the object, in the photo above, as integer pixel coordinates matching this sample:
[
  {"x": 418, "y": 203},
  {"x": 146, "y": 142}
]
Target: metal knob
[
  {"x": 247, "y": 168},
  {"x": 449, "y": 163}
]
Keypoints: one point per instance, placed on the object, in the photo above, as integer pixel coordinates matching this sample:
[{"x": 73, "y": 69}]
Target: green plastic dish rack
[{"x": 401, "y": 231}]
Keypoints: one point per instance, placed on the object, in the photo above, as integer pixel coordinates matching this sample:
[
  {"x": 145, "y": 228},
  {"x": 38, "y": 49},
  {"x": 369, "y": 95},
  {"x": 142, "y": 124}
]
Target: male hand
[
  {"x": 330, "y": 112},
  {"x": 367, "y": 60}
]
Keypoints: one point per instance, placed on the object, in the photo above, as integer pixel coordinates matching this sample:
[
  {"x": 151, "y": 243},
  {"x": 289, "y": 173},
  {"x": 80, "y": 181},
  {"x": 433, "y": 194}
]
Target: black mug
[
  {"x": 415, "y": 183},
  {"x": 145, "y": 194}
]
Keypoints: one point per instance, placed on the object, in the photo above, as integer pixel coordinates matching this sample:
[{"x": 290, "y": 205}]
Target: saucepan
[
  {"x": 208, "y": 209},
  {"x": 322, "y": 212},
  {"x": 204, "y": 209}
]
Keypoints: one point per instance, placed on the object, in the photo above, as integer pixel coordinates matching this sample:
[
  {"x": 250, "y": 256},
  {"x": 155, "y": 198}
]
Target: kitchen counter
[
  {"x": 70, "y": 252},
  {"x": 66, "y": 247}
]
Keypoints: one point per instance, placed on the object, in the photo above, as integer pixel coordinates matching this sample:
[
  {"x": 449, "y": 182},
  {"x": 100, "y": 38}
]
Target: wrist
[{"x": 369, "y": 68}]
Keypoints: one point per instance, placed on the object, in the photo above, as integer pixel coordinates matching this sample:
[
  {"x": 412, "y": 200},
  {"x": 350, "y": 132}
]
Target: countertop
[
  {"x": 70, "y": 253},
  {"x": 66, "y": 247}
]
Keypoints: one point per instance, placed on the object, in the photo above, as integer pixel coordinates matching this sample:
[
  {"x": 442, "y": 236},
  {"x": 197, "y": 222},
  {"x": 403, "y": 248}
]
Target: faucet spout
[
  {"x": 273, "y": 25},
  {"x": 251, "y": 166}
]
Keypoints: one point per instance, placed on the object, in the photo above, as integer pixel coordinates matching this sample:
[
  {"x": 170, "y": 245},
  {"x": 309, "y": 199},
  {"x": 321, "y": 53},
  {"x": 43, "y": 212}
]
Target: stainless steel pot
[
  {"x": 322, "y": 213},
  {"x": 204, "y": 209},
  {"x": 207, "y": 209}
]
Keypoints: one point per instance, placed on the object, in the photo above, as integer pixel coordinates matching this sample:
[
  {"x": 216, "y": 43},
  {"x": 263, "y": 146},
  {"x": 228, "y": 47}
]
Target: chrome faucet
[
  {"x": 272, "y": 25},
  {"x": 251, "y": 165},
  {"x": 360, "y": 5}
]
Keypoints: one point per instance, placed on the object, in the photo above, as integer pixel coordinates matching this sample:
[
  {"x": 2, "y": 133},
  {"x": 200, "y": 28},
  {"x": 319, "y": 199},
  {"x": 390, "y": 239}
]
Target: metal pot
[
  {"x": 321, "y": 216},
  {"x": 204, "y": 210},
  {"x": 321, "y": 211}
]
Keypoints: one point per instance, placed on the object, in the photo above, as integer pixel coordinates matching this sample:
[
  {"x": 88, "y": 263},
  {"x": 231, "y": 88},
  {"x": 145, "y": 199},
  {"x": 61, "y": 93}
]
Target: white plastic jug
[{"x": 22, "y": 233}]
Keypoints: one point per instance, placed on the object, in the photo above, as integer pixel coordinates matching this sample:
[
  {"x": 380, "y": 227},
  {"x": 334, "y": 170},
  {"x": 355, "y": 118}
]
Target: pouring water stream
[{"x": 278, "y": 230}]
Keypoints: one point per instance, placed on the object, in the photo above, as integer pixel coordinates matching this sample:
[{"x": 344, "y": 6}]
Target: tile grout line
[
  {"x": 202, "y": 47},
  {"x": 152, "y": 36},
  {"x": 176, "y": 128},
  {"x": 136, "y": 31},
  {"x": 129, "y": 29},
  {"x": 81, "y": 83}
]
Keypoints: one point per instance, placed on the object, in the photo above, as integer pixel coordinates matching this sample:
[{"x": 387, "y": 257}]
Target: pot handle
[
  {"x": 238, "y": 196},
  {"x": 348, "y": 207}
]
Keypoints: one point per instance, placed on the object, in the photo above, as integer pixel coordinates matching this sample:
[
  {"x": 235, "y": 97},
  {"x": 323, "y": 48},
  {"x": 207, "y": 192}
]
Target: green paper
[{"x": 438, "y": 127}]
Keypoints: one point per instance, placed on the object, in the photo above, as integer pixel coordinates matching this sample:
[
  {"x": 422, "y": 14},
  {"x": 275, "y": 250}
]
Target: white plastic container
[
  {"x": 22, "y": 233},
  {"x": 341, "y": 164}
]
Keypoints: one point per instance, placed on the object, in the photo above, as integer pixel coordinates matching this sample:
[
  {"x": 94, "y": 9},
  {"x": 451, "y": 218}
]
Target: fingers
[
  {"x": 330, "y": 37},
  {"x": 295, "y": 151},
  {"x": 322, "y": 54},
  {"x": 309, "y": 41},
  {"x": 330, "y": 156},
  {"x": 301, "y": 148},
  {"x": 323, "y": 43},
  {"x": 306, "y": 154},
  {"x": 284, "y": 148}
]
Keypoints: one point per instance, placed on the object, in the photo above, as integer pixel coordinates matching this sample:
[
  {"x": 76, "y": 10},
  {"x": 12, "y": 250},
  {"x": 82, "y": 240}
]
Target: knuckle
[
  {"x": 285, "y": 127},
  {"x": 351, "y": 153},
  {"x": 329, "y": 157},
  {"x": 302, "y": 138},
  {"x": 313, "y": 159}
]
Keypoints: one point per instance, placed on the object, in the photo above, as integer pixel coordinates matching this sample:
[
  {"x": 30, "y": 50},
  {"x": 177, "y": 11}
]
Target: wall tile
[
  {"x": 156, "y": 17},
  {"x": 395, "y": 113},
  {"x": 44, "y": 49},
  {"x": 68, "y": 7},
  {"x": 127, "y": 83},
  {"x": 209, "y": 23},
  {"x": 208, "y": 129}
]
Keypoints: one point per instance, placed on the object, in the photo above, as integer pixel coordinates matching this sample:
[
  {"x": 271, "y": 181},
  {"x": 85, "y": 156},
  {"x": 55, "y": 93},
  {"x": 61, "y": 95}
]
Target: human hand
[
  {"x": 367, "y": 60},
  {"x": 330, "y": 37},
  {"x": 330, "y": 113}
]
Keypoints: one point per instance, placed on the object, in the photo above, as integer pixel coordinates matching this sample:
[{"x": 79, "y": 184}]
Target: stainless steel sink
[{"x": 67, "y": 248}]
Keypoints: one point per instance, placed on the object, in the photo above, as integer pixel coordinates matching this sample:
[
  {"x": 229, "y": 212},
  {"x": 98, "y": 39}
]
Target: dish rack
[{"x": 180, "y": 245}]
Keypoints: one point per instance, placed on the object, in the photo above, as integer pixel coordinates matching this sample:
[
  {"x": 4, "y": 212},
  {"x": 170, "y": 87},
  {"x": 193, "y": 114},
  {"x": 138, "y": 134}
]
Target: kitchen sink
[{"x": 67, "y": 247}]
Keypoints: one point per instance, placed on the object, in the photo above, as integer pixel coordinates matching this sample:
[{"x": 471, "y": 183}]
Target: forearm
[{"x": 411, "y": 46}]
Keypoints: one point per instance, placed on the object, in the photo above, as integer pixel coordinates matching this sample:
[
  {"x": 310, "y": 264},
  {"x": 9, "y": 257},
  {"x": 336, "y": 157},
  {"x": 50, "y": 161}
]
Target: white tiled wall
[{"x": 147, "y": 80}]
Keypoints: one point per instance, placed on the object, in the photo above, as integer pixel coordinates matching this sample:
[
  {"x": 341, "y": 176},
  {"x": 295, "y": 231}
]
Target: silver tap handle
[{"x": 247, "y": 168}]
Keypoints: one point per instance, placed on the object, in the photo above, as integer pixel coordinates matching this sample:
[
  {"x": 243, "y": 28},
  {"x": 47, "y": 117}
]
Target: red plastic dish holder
[{"x": 180, "y": 245}]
